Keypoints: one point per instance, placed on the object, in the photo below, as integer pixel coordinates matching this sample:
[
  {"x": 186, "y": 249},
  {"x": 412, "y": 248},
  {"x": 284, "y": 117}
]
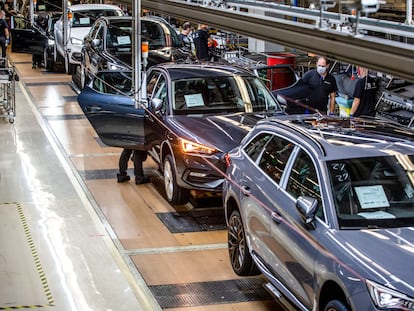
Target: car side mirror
[
  {"x": 96, "y": 42},
  {"x": 307, "y": 207},
  {"x": 156, "y": 104}
]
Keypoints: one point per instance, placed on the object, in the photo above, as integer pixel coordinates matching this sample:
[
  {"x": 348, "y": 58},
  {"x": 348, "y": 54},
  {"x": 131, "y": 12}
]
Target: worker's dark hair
[
  {"x": 186, "y": 26},
  {"x": 322, "y": 57}
]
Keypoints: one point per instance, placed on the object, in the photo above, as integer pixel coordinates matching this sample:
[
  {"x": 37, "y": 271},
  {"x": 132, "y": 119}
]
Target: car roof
[
  {"x": 112, "y": 19},
  {"x": 187, "y": 71},
  {"x": 347, "y": 138},
  {"x": 98, "y": 6}
]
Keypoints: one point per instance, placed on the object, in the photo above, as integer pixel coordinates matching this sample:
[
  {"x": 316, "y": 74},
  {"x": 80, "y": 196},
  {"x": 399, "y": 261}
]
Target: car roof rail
[{"x": 300, "y": 129}]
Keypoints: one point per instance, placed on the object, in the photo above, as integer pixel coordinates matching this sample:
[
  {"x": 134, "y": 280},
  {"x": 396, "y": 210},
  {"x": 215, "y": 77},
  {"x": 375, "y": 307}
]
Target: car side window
[
  {"x": 275, "y": 156},
  {"x": 160, "y": 92},
  {"x": 256, "y": 146},
  {"x": 154, "y": 34},
  {"x": 99, "y": 36},
  {"x": 303, "y": 180},
  {"x": 152, "y": 81},
  {"x": 113, "y": 83}
]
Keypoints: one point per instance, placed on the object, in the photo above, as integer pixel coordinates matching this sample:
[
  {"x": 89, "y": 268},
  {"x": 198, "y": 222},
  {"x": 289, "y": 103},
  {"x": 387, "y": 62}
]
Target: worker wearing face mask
[{"x": 322, "y": 87}]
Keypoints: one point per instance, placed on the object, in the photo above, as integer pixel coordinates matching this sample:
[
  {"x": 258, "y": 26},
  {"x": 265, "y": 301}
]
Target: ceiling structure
[{"x": 383, "y": 55}]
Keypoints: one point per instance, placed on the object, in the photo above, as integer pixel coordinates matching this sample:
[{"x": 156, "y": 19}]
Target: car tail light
[{"x": 227, "y": 159}]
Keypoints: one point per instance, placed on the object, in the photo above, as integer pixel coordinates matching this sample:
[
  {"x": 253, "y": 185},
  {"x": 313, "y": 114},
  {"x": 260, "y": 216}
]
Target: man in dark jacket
[
  {"x": 4, "y": 33},
  {"x": 201, "y": 38},
  {"x": 322, "y": 87},
  {"x": 364, "y": 95}
]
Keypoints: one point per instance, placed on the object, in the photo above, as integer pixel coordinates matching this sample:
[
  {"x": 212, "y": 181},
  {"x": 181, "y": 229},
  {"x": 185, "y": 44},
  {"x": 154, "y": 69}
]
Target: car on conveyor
[
  {"x": 108, "y": 45},
  {"x": 69, "y": 40},
  {"x": 36, "y": 39},
  {"x": 324, "y": 208},
  {"x": 195, "y": 114}
]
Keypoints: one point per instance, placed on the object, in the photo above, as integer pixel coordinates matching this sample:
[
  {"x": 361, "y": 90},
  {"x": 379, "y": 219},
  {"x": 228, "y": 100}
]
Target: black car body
[
  {"x": 36, "y": 39},
  {"x": 108, "y": 45},
  {"x": 324, "y": 208},
  {"x": 195, "y": 114}
]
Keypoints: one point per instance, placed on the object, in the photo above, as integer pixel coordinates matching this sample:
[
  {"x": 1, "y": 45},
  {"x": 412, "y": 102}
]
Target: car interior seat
[{"x": 181, "y": 89}]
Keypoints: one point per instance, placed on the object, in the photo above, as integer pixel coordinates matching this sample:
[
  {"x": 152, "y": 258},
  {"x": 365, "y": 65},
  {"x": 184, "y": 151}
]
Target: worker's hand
[{"x": 7, "y": 41}]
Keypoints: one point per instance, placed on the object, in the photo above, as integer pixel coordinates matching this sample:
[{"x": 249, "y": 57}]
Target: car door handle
[
  {"x": 246, "y": 190},
  {"x": 93, "y": 108},
  {"x": 276, "y": 217}
]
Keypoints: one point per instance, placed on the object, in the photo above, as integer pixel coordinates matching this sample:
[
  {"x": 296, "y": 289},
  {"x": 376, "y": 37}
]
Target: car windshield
[
  {"x": 119, "y": 38},
  {"x": 221, "y": 94},
  {"x": 87, "y": 18},
  {"x": 374, "y": 192}
]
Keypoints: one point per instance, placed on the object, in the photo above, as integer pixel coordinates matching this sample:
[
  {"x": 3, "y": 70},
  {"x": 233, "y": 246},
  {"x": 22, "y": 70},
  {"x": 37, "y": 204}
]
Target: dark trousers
[
  {"x": 138, "y": 157},
  {"x": 3, "y": 46}
]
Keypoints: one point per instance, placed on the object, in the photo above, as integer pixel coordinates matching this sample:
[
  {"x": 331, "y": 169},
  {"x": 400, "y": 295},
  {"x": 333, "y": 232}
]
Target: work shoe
[
  {"x": 142, "y": 180},
  {"x": 122, "y": 177}
]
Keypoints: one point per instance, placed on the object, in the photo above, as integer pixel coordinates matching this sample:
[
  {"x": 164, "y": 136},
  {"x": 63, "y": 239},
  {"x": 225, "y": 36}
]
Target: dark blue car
[
  {"x": 324, "y": 208},
  {"x": 195, "y": 114}
]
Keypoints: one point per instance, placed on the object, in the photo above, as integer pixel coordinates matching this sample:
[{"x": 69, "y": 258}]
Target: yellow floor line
[{"x": 36, "y": 261}]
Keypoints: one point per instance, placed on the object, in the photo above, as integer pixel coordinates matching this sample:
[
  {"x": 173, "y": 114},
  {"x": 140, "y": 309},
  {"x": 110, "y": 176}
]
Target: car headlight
[
  {"x": 76, "y": 41},
  {"x": 386, "y": 298},
  {"x": 192, "y": 147}
]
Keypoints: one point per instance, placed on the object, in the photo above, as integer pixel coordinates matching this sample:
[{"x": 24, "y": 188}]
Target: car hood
[
  {"x": 222, "y": 132},
  {"x": 386, "y": 255}
]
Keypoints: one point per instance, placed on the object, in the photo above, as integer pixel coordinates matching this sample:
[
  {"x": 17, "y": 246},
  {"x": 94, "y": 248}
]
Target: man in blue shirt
[{"x": 322, "y": 87}]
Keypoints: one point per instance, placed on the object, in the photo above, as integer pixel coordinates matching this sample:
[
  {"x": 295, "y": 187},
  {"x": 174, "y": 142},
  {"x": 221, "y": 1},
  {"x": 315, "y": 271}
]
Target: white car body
[{"x": 71, "y": 51}]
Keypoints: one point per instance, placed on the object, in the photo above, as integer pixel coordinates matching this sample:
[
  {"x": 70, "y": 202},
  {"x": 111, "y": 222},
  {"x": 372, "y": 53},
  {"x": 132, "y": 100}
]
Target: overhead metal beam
[{"x": 396, "y": 59}]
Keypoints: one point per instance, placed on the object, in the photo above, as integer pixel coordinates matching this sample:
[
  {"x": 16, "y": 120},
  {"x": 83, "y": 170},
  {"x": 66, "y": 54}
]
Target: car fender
[
  {"x": 165, "y": 149},
  {"x": 328, "y": 268}
]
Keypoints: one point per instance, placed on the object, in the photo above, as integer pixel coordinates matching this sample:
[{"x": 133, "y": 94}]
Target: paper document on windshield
[{"x": 372, "y": 197}]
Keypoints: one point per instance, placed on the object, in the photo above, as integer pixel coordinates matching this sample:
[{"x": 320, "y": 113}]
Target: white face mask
[{"x": 320, "y": 69}]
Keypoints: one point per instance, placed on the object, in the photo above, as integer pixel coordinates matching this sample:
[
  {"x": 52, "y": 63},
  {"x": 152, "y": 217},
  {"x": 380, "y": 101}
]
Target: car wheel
[
  {"x": 240, "y": 258},
  {"x": 174, "y": 193},
  {"x": 69, "y": 68},
  {"x": 47, "y": 60},
  {"x": 335, "y": 305},
  {"x": 58, "y": 60}
]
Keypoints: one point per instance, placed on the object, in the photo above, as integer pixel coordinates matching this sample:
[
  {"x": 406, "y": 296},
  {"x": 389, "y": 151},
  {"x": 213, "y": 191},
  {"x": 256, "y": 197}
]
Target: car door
[
  {"x": 295, "y": 244},
  {"x": 108, "y": 104},
  {"x": 155, "y": 126},
  {"x": 27, "y": 39},
  {"x": 93, "y": 44},
  {"x": 260, "y": 180}
]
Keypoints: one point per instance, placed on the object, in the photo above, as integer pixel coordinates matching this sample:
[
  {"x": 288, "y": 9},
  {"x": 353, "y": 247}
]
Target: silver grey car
[{"x": 324, "y": 208}]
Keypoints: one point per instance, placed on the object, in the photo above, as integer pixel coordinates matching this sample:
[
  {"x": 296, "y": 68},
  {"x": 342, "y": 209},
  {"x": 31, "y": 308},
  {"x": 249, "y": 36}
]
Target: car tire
[
  {"x": 335, "y": 305},
  {"x": 240, "y": 258},
  {"x": 175, "y": 194},
  {"x": 69, "y": 68},
  {"x": 48, "y": 60}
]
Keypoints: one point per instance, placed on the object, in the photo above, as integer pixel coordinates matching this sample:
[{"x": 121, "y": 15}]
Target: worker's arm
[
  {"x": 355, "y": 105},
  {"x": 332, "y": 102}
]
